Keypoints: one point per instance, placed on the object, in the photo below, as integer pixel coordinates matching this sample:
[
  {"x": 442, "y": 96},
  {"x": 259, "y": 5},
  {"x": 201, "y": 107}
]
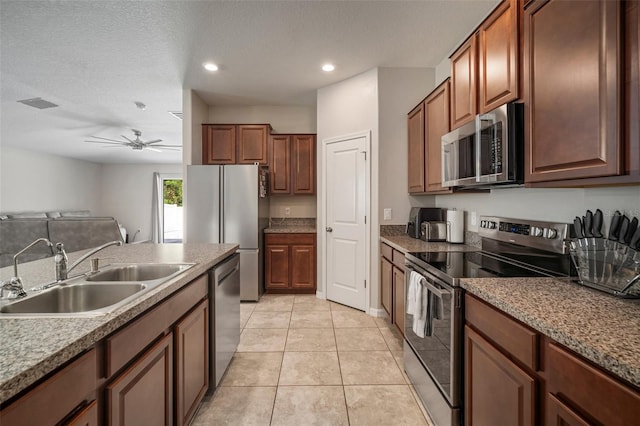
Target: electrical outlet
[
  {"x": 474, "y": 219},
  {"x": 387, "y": 214},
  {"x": 287, "y": 211}
]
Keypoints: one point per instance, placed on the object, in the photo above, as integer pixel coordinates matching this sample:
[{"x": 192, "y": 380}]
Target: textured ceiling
[{"x": 96, "y": 58}]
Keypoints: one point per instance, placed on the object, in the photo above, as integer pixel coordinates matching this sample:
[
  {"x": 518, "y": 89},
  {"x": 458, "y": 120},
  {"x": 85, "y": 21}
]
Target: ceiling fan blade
[
  {"x": 109, "y": 143},
  {"x": 172, "y": 149},
  {"x": 128, "y": 139},
  {"x": 152, "y": 149},
  {"x": 106, "y": 139},
  {"x": 169, "y": 146},
  {"x": 153, "y": 141}
]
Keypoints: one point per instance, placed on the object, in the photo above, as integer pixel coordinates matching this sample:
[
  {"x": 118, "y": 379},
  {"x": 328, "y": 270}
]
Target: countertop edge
[{"x": 105, "y": 325}]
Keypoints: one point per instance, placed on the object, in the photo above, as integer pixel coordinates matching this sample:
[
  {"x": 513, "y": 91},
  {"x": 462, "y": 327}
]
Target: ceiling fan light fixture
[
  {"x": 140, "y": 105},
  {"x": 210, "y": 66}
]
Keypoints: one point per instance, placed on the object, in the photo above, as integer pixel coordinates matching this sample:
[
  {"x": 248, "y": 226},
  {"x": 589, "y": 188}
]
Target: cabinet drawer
[
  {"x": 516, "y": 339},
  {"x": 398, "y": 259},
  {"x": 386, "y": 251},
  {"x": 290, "y": 239},
  {"x": 57, "y": 396},
  {"x": 576, "y": 382},
  {"x": 122, "y": 346}
]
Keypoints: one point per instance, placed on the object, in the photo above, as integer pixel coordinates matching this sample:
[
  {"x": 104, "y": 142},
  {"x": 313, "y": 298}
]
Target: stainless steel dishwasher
[{"x": 225, "y": 316}]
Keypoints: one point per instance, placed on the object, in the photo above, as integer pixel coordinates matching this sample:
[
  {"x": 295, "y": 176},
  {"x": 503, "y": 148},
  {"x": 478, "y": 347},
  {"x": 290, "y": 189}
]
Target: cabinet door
[
  {"x": 398, "y": 298},
  {"x": 415, "y": 135},
  {"x": 303, "y": 262},
  {"x": 572, "y": 69},
  {"x": 277, "y": 266},
  {"x": 304, "y": 164},
  {"x": 463, "y": 83},
  {"x": 632, "y": 86},
  {"x": 88, "y": 416},
  {"x": 192, "y": 362},
  {"x": 559, "y": 414},
  {"x": 252, "y": 144},
  {"x": 280, "y": 164},
  {"x": 218, "y": 144},
  {"x": 143, "y": 393},
  {"x": 436, "y": 116},
  {"x": 497, "y": 391},
  {"x": 498, "y": 56},
  {"x": 386, "y": 280}
]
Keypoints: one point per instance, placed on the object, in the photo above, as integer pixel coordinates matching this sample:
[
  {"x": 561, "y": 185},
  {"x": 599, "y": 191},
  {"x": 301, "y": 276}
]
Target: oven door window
[{"x": 434, "y": 349}]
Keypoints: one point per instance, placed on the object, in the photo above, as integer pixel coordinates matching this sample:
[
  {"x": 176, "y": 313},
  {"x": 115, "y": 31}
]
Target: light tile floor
[{"x": 306, "y": 361}]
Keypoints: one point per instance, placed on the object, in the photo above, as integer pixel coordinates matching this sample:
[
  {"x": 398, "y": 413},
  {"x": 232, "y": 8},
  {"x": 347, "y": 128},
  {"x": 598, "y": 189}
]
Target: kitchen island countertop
[
  {"x": 602, "y": 328},
  {"x": 33, "y": 347}
]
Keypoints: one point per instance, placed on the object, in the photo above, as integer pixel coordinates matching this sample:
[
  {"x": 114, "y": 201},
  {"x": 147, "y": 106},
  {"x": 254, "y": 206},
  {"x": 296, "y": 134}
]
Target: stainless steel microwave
[{"x": 488, "y": 151}]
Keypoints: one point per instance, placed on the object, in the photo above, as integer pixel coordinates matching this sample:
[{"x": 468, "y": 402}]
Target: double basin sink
[{"x": 96, "y": 293}]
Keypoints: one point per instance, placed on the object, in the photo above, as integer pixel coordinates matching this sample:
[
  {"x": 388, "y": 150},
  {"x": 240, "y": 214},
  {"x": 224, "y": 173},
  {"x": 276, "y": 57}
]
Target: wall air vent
[
  {"x": 38, "y": 103},
  {"x": 176, "y": 114}
]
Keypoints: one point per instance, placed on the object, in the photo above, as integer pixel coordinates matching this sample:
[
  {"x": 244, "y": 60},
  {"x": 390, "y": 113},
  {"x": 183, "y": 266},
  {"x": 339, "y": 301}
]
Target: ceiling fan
[{"x": 136, "y": 144}]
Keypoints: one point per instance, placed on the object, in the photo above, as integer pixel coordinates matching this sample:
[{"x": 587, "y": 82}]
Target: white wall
[
  {"x": 343, "y": 108},
  {"x": 34, "y": 181},
  {"x": 299, "y": 206},
  {"x": 127, "y": 191},
  {"x": 555, "y": 205},
  {"x": 443, "y": 71},
  {"x": 195, "y": 112},
  {"x": 399, "y": 91},
  {"x": 283, "y": 119}
]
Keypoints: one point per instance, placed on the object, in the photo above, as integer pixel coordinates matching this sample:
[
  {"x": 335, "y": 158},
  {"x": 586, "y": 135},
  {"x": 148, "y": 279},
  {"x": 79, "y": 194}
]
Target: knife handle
[
  {"x": 615, "y": 224},
  {"x": 577, "y": 227},
  {"x": 596, "y": 228},
  {"x": 634, "y": 243},
  {"x": 586, "y": 221}
]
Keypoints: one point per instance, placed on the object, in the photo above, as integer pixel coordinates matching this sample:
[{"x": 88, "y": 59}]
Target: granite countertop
[
  {"x": 600, "y": 327},
  {"x": 33, "y": 347},
  {"x": 405, "y": 244},
  {"x": 290, "y": 229}
]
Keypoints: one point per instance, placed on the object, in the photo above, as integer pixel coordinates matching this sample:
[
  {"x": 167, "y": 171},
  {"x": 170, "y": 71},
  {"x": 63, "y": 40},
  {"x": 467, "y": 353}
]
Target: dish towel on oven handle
[{"x": 414, "y": 286}]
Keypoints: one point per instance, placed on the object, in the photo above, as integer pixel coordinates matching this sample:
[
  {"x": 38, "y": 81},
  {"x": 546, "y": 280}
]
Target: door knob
[{"x": 329, "y": 229}]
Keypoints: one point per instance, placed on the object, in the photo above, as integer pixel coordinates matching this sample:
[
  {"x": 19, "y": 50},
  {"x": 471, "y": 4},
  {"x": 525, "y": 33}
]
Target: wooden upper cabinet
[
  {"x": 464, "y": 69},
  {"x": 303, "y": 164},
  {"x": 498, "y": 55},
  {"x": 235, "y": 143},
  {"x": 632, "y": 86},
  {"x": 280, "y": 164},
  {"x": 292, "y": 164},
  {"x": 218, "y": 144},
  {"x": 252, "y": 144},
  {"x": 416, "y": 157},
  {"x": 572, "y": 70},
  {"x": 436, "y": 116}
]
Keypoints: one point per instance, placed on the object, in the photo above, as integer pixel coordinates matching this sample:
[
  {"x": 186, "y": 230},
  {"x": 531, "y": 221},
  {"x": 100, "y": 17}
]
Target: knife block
[{"x": 607, "y": 265}]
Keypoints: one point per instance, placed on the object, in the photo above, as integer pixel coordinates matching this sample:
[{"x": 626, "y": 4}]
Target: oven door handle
[{"x": 437, "y": 291}]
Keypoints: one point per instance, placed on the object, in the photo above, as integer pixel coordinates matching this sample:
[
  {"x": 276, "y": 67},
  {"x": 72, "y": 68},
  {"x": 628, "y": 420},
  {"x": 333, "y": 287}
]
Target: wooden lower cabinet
[
  {"x": 143, "y": 393},
  {"x": 386, "y": 285},
  {"x": 514, "y": 375},
  {"x": 398, "y": 298},
  {"x": 192, "y": 362},
  {"x": 290, "y": 263},
  {"x": 497, "y": 391},
  {"x": 57, "y": 397},
  {"x": 87, "y": 416}
]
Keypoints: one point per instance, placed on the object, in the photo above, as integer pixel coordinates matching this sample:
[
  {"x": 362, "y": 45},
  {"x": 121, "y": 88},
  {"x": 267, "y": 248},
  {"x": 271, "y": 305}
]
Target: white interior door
[{"x": 345, "y": 186}]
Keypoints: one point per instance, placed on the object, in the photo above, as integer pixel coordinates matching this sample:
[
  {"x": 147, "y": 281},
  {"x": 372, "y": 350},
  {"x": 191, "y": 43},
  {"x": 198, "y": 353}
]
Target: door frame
[{"x": 366, "y": 134}]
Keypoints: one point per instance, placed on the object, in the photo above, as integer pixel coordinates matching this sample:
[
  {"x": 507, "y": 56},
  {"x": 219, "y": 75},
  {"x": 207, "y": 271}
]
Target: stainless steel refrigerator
[{"x": 229, "y": 204}]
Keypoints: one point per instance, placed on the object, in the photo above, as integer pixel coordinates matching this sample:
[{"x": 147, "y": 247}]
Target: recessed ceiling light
[
  {"x": 209, "y": 66},
  {"x": 328, "y": 67}
]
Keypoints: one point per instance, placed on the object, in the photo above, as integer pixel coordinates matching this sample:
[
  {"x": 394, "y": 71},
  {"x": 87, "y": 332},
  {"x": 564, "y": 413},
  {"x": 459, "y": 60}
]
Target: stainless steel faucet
[
  {"x": 14, "y": 285},
  {"x": 62, "y": 271}
]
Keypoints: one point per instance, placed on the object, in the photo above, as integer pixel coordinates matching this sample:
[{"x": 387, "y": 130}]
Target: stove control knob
[
  {"x": 536, "y": 231},
  {"x": 550, "y": 233},
  {"x": 492, "y": 225},
  {"x": 483, "y": 224}
]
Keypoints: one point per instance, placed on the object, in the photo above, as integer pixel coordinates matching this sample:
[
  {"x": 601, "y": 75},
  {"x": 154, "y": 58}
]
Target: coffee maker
[{"x": 417, "y": 215}]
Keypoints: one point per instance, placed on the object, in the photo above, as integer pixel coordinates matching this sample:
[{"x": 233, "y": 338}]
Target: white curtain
[{"x": 157, "y": 206}]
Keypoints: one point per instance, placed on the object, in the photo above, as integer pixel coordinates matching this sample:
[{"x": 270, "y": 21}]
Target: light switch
[
  {"x": 474, "y": 219},
  {"x": 387, "y": 214}
]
